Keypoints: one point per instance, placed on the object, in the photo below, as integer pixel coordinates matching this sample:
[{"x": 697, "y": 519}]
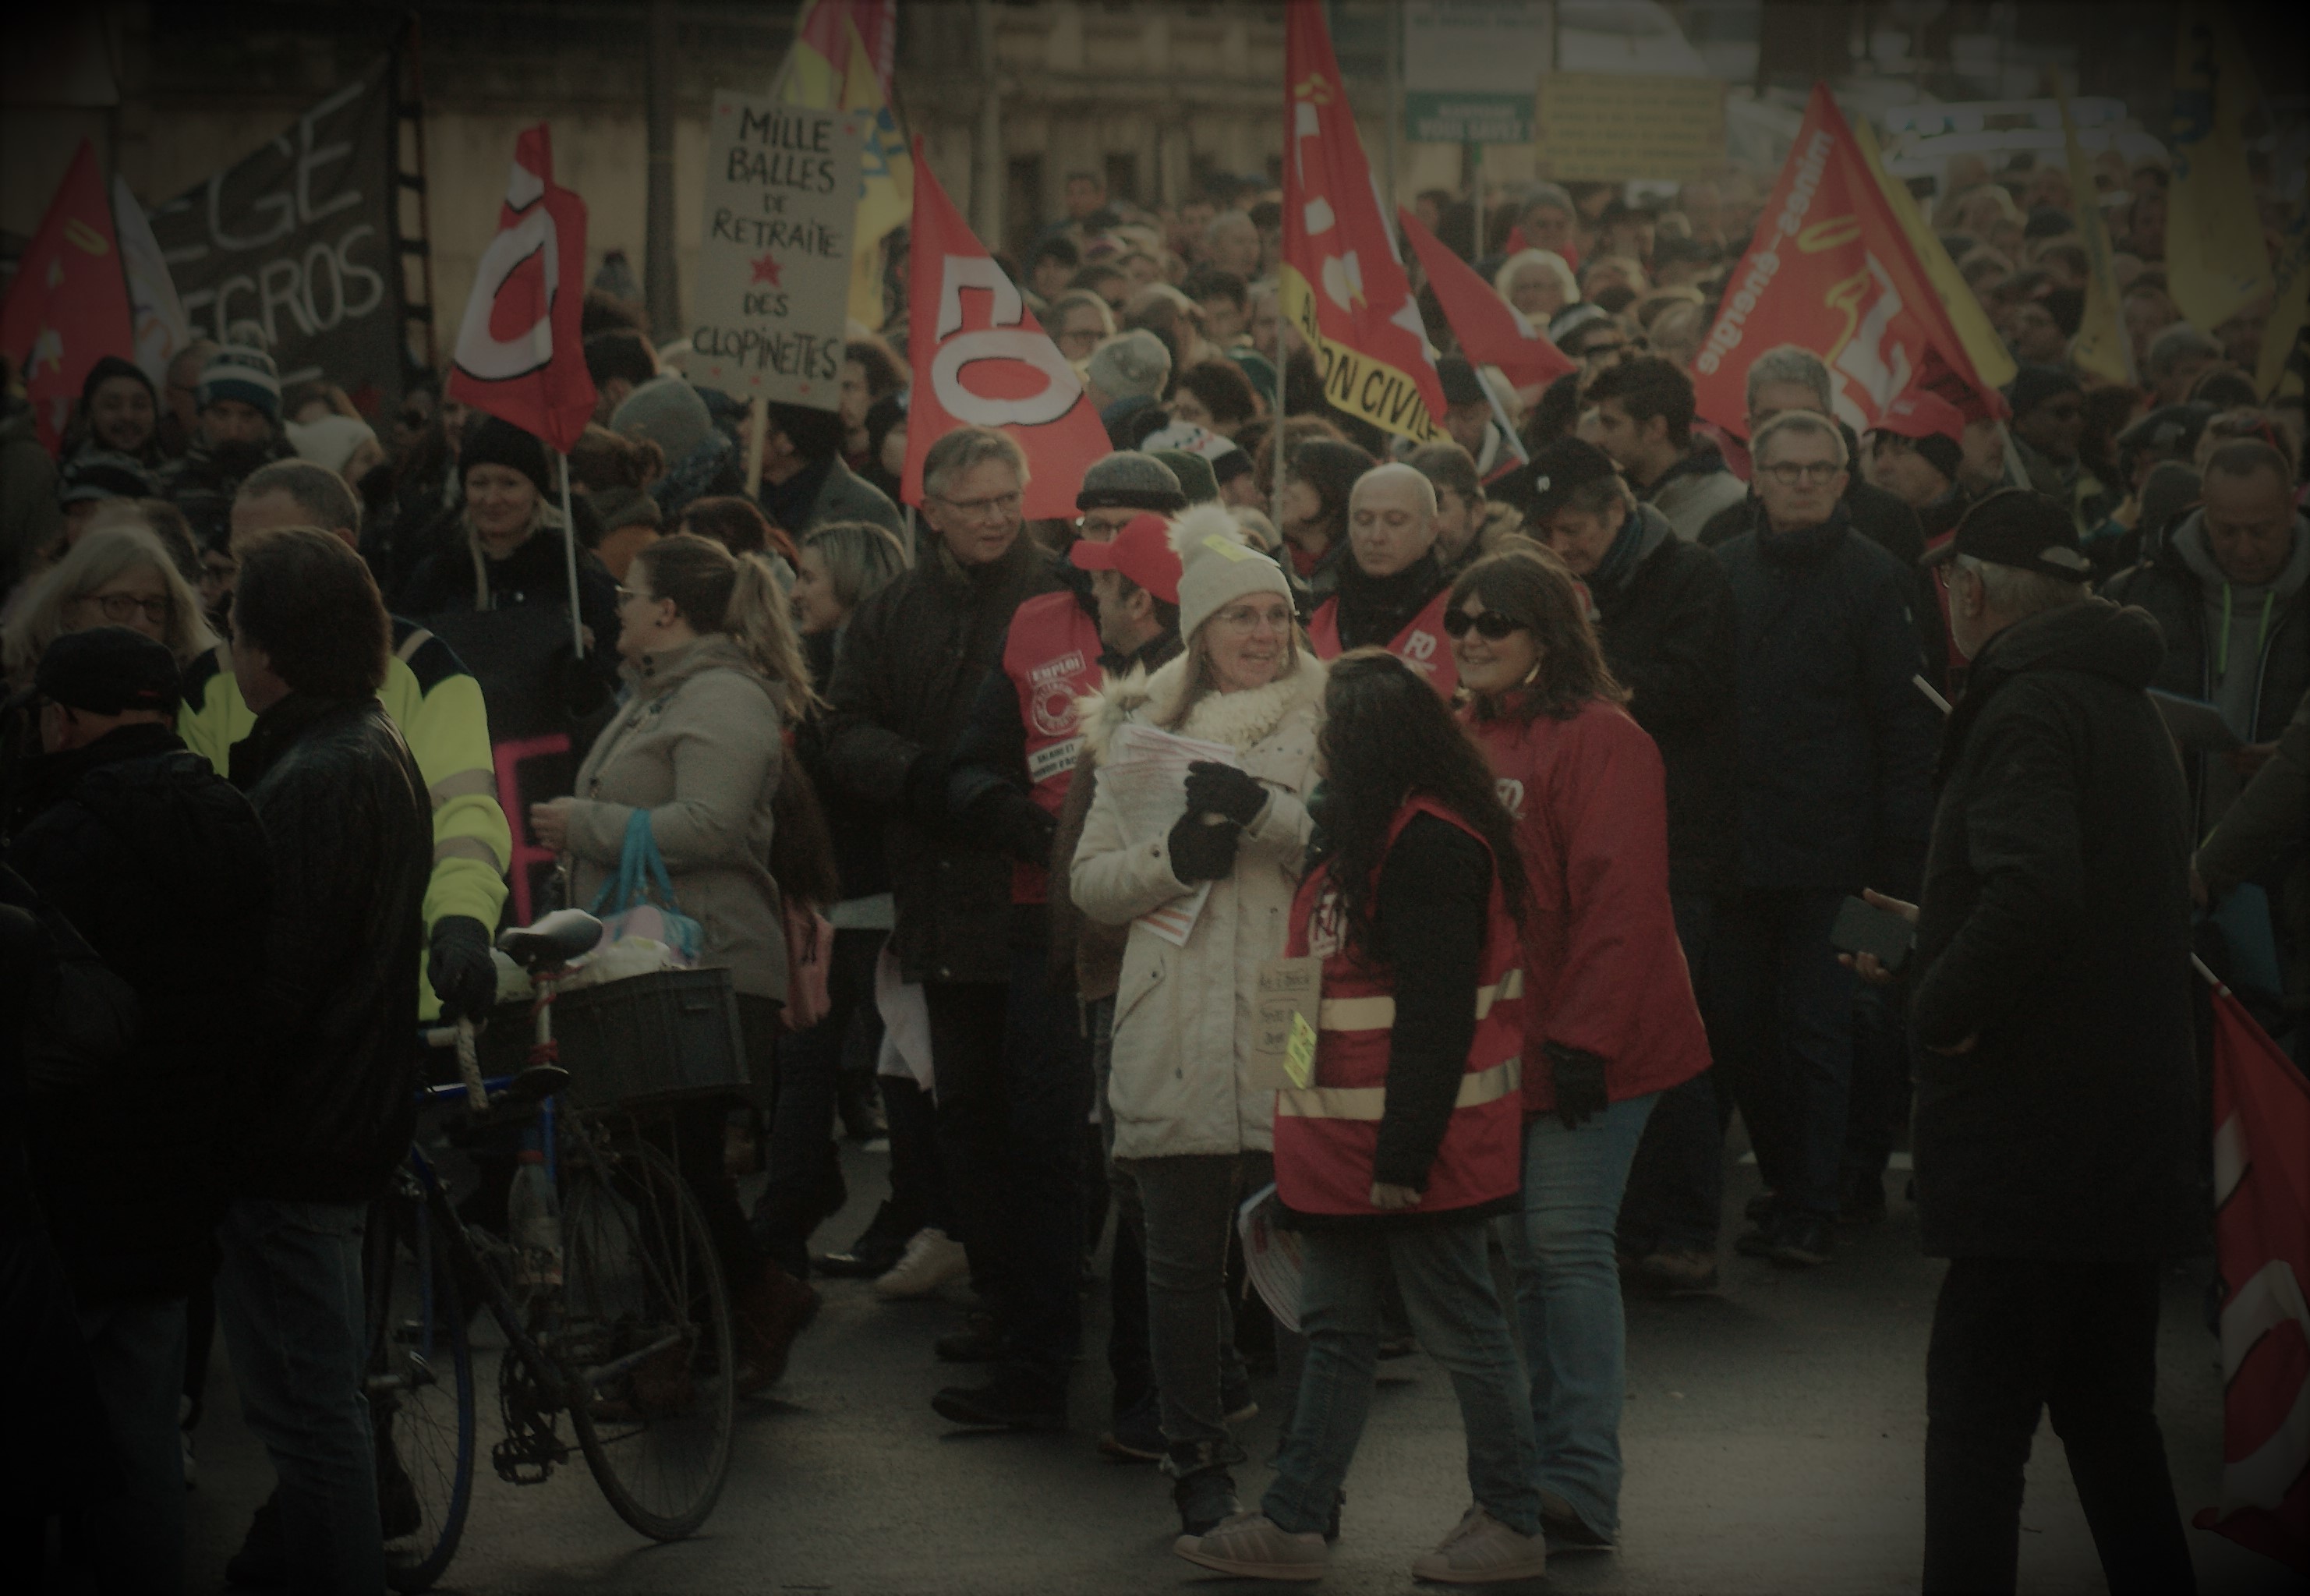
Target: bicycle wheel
[
  {"x": 420, "y": 1379},
  {"x": 644, "y": 1344}
]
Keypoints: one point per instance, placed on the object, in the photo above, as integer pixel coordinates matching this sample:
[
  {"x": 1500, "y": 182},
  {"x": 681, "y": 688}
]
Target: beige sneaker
[
  {"x": 931, "y": 1260},
  {"x": 1252, "y": 1545},
  {"x": 1483, "y": 1551}
]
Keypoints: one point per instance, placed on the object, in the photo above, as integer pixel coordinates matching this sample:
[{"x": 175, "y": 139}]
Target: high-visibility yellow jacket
[{"x": 437, "y": 704}]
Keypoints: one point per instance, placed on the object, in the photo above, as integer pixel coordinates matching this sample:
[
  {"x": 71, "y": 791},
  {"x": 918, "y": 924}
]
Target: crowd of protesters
[{"x": 1559, "y": 744}]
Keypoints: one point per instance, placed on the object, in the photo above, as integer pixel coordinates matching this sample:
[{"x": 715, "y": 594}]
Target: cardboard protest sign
[{"x": 774, "y": 266}]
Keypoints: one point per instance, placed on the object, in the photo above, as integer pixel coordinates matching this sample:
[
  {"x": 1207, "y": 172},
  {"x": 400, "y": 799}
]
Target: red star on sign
[{"x": 766, "y": 270}]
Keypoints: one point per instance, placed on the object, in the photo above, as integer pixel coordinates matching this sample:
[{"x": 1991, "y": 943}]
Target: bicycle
[{"x": 631, "y": 1341}]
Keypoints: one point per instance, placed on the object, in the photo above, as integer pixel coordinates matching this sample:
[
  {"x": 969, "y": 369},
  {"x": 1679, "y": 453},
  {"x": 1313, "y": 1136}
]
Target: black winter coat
[
  {"x": 1836, "y": 743},
  {"x": 1671, "y": 634},
  {"x": 910, "y": 664},
  {"x": 1883, "y": 518},
  {"x": 162, "y": 867},
  {"x": 2055, "y": 927},
  {"x": 350, "y": 833}
]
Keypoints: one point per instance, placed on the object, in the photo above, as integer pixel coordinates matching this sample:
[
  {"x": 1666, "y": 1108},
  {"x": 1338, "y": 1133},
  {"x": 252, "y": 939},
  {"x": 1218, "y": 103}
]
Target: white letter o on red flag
[{"x": 1030, "y": 348}]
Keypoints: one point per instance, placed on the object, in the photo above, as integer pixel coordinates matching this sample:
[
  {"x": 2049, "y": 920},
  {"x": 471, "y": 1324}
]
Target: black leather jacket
[{"x": 351, "y": 831}]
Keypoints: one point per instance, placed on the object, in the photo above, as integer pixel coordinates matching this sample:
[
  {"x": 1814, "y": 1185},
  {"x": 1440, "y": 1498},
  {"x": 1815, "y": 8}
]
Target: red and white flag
[
  {"x": 2262, "y": 1239},
  {"x": 1491, "y": 330},
  {"x": 982, "y": 360},
  {"x": 68, "y": 306},
  {"x": 1342, "y": 283},
  {"x": 1830, "y": 270},
  {"x": 520, "y": 353}
]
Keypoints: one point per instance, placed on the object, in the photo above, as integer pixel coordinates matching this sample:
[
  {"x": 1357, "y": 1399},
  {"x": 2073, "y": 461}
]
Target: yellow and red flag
[
  {"x": 841, "y": 60},
  {"x": 2215, "y": 262},
  {"x": 2102, "y": 346},
  {"x": 68, "y": 307},
  {"x": 1343, "y": 285},
  {"x": 1832, "y": 270}
]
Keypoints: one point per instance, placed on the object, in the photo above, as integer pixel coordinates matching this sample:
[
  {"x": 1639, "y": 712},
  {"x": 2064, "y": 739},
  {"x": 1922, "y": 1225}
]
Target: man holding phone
[{"x": 2057, "y": 1107}]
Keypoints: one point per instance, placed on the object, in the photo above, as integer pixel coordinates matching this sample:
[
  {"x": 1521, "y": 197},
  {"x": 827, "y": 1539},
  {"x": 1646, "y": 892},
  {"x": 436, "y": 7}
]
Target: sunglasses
[{"x": 1492, "y": 625}]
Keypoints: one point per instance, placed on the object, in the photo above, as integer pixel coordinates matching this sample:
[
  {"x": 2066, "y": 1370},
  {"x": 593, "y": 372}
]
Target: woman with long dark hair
[
  {"x": 1396, "y": 1142},
  {"x": 1610, "y": 1018}
]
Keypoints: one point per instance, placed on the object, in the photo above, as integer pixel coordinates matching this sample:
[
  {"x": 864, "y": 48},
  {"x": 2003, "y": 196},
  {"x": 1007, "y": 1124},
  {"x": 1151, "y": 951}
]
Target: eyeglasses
[
  {"x": 1492, "y": 625},
  {"x": 123, "y": 607},
  {"x": 1788, "y": 474},
  {"x": 627, "y": 595},
  {"x": 1244, "y": 617},
  {"x": 1104, "y": 527},
  {"x": 1003, "y": 506}
]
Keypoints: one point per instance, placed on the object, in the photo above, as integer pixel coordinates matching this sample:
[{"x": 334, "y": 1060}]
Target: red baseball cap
[
  {"x": 1918, "y": 414},
  {"x": 1141, "y": 552}
]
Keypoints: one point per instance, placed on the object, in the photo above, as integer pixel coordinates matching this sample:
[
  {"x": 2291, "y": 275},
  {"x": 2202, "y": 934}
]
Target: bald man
[{"x": 1391, "y": 590}]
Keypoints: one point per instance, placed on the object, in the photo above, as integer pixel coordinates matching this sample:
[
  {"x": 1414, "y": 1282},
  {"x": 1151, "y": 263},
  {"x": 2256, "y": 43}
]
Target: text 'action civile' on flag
[
  {"x": 1342, "y": 283},
  {"x": 982, "y": 360},
  {"x": 520, "y": 352},
  {"x": 1831, "y": 269}
]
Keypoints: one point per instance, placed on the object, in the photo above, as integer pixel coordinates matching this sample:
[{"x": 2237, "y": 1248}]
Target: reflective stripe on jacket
[{"x": 1326, "y": 1133}]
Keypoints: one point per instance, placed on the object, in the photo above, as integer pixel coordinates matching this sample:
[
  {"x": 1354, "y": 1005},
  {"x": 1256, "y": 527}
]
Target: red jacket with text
[
  {"x": 1604, "y": 971},
  {"x": 1420, "y": 645},
  {"x": 1051, "y": 658}
]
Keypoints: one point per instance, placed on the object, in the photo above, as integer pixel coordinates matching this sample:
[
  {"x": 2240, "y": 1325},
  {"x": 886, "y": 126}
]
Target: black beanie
[
  {"x": 108, "y": 368},
  {"x": 490, "y": 441}
]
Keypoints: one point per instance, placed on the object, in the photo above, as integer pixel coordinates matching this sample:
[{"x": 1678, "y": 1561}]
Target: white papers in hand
[
  {"x": 1271, "y": 1255},
  {"x": 1146, "y": 776}
]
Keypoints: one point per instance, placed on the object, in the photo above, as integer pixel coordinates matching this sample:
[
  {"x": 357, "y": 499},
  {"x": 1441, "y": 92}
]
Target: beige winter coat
[
  {"x": 697, "y": 746},
  {"x": 1182, "y": 1016}
]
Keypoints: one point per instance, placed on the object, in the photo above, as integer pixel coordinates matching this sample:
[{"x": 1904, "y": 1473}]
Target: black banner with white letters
[{"x": 296, "y": 239}]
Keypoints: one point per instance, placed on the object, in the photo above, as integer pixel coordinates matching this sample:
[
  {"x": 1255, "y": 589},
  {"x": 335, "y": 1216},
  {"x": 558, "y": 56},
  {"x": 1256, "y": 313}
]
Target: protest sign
[
  {"x": 1615, "y": 126},
  {"x": 774, "y": 266},
  {"x": 297, "y": 238},
  {"x": 1469, "y": 70}
]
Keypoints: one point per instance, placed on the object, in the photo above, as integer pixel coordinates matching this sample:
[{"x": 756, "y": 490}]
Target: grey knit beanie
[
  {"x": 1127, "y": 479},
  {"x": 1131, "y": 363},
  {"x": 1217, "y": 567},
  {"x": 668, "y": 412}
]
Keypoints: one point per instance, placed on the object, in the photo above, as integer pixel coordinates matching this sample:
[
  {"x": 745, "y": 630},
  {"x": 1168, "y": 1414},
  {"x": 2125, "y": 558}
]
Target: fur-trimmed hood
[{"x": 1239, "y": 720}]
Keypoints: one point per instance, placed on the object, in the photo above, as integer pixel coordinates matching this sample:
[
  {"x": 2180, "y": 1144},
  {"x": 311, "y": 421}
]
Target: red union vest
[
  {"x": 1421, "y": 645},
  {"x": 1325, "y": 1134},
  {"x": 1052, "y": 659}
]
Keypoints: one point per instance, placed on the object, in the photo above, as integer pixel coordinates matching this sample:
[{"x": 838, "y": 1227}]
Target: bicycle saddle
[{"x": 559, "y": 938}]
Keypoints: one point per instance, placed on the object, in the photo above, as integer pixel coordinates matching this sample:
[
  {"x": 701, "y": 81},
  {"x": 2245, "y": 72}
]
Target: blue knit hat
[{"x": 248, "y": 374}]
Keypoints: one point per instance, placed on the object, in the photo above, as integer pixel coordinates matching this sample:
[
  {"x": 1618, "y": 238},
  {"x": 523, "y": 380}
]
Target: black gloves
[
  {"x": 924, "y": 793},
  {"x": 464, "y": 977},
  {"x": 1201, "y": 852},
  {"x": 1015, "y": 822},
  {"x": 1219, "y": 789},
  {"x": 1579, "y": 1077}
]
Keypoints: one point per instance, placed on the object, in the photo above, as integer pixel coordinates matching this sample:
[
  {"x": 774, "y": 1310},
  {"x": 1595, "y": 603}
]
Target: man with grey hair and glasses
[
  {"x": 2058, "y": 1117},
  {"x": 1835, "y": 753}
]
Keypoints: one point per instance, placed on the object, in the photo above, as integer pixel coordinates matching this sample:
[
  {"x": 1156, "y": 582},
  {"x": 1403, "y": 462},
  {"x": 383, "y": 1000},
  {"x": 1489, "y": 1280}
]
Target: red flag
[
  {"x": 1342, "y": 284},
  {"x": 982, "y": 360},
  {"x": 2262, "y": 1238},
  {"x": 1831, "y": 270},
  {"x": 520, "y": 352},
  {"x": 68, "y": 307},
  {"x": 1491, "y": 330}
]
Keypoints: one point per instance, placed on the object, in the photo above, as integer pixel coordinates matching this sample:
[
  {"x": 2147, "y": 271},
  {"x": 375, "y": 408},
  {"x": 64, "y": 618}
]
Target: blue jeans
[
  {"x": 1785, "y": 1008},
  {"x": 1013, "y": 1096},
  {"x": 1568, "y": 1298},
  {"x": 289, "y": 1295},
  {"x": 135, "y": 1540},
  {"x": 1446, "y": 1272},
  {"x": 1676, "y": 1187}
]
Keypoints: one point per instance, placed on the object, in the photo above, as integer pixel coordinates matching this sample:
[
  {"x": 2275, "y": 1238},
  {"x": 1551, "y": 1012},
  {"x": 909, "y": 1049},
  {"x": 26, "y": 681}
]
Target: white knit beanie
[{"x": 1217, "y": 567}]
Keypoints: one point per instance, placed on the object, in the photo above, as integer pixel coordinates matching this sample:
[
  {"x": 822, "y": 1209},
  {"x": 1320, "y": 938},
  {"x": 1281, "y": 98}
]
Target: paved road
[{"x": 1773, "y": 1440}]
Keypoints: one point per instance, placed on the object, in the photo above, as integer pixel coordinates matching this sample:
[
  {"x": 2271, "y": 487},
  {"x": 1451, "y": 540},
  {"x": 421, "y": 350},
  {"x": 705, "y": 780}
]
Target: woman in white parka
[{"x": 1187, "y": 1127}]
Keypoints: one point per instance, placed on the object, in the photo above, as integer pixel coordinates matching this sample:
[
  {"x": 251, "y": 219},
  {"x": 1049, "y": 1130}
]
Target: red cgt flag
[
  {"x": 1830, "y": 270},
  {"x": 1491, "y": 330},
  {"x": 68, "y": 307},
  {"x": 982, "y": 360},
  {"x": 520, "y": 353},
  {"x": 1342, "y": 284},
  {"x": 2262, "y": 1237}
]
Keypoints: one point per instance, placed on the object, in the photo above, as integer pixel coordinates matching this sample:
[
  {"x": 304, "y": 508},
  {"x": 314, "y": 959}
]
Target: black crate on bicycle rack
[{"x": 658, "y": 1037}]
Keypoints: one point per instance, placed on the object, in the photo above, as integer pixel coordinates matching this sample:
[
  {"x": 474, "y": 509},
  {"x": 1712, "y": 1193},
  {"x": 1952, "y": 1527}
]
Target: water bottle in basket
[{"x": 533, "y": 1216}]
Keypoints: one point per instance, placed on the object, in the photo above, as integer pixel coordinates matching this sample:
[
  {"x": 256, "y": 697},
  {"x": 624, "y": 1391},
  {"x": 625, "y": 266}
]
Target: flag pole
[
  {"x": 757, "y": 424},
  {"x": 569, "y": 557}
]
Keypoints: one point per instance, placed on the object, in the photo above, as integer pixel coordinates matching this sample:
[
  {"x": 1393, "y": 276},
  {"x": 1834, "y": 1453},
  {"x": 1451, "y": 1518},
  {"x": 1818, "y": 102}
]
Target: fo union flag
[
  {"x": 1830, "y": 270},
  {"x": 520, "y": 353},
  {"x": 1342, "y": 284},
  {"x": 982, "y": 360}
]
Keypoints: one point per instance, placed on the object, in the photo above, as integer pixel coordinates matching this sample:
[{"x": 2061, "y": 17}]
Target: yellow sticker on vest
[{"x": 1299, "y": 1052}]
